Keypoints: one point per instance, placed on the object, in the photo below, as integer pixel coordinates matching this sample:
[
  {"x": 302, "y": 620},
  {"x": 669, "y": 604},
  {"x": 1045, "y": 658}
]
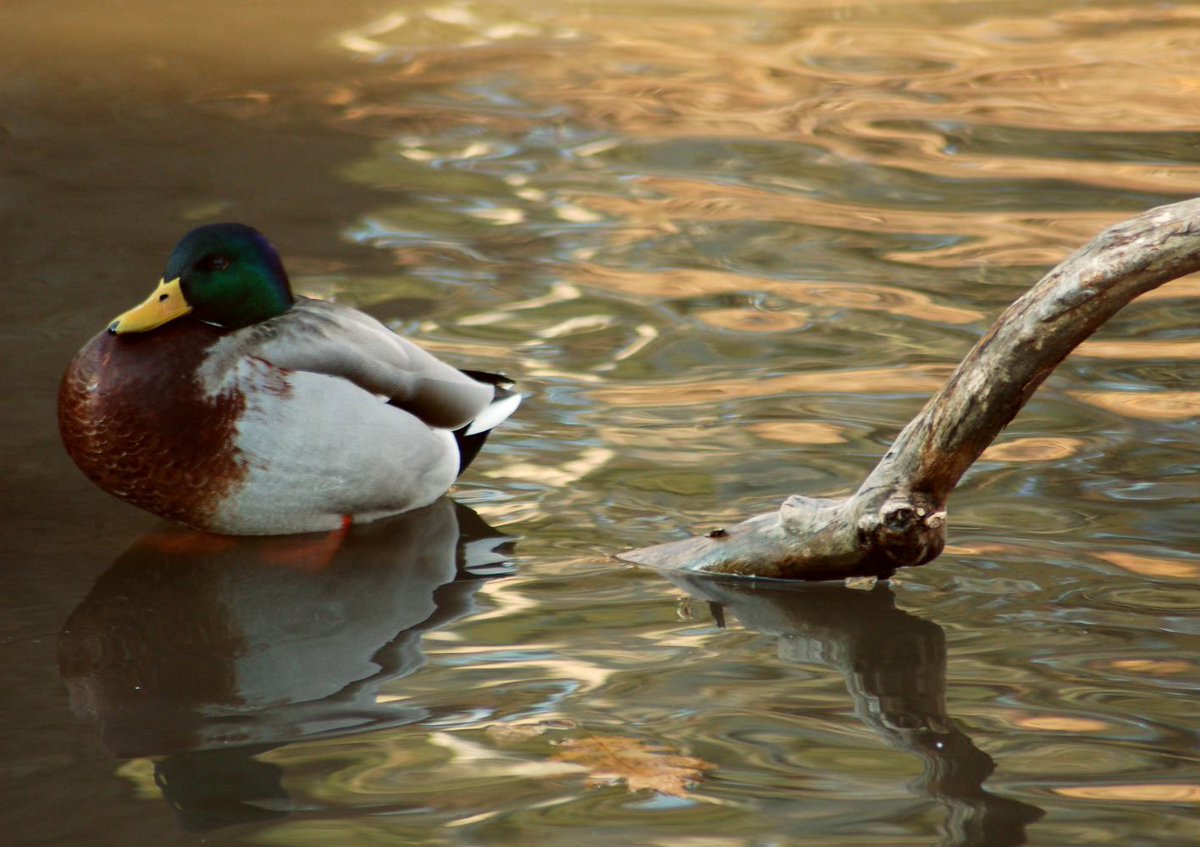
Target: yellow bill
[{"x": 165, "y": 304}]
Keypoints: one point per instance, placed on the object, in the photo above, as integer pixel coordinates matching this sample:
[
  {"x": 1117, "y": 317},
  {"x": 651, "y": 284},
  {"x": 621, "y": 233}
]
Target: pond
[{"x": 727, "y": 250}]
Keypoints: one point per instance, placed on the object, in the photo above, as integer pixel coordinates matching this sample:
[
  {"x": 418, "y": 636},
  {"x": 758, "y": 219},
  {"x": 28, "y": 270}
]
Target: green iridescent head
[{"x": 228, "y": 275}]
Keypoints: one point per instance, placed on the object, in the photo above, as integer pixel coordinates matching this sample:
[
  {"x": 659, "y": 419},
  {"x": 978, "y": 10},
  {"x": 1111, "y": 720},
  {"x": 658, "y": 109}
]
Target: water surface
[{"x": 728, "y": 249}]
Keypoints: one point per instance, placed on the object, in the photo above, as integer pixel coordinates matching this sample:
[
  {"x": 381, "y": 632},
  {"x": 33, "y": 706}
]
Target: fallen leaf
[
  {"x": 861, "y": 583},
  {"x": 641, "y": 765},
  {"x": 516, "y": 733}
]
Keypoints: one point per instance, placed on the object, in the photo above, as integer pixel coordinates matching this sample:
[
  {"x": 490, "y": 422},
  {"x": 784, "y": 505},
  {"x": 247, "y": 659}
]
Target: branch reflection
[
  {"x": 895, "y": 669},
  {"x": 208, "y": 650}
]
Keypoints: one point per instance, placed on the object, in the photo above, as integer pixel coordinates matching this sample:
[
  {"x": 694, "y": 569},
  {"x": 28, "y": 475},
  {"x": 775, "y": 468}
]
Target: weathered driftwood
[{"x": 897, "y": 517}]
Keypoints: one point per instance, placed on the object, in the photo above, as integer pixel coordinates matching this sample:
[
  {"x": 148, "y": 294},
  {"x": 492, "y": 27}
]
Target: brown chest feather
[{"x": 135, "y": 419}]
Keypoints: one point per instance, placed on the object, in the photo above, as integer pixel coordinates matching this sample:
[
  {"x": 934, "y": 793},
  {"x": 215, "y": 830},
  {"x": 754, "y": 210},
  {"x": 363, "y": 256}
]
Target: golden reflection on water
[
  {"x": 681, "y": 283},
  {"x": 1135, "y": 793},
  {"x": 753, "y": 320},
  {"x": 555, "y": 476},
  {"x": 1032, "y": 449},
  {"x": 911, "y": 90},
  {"x": 1147, "y": 406},
  {"x": 1154, "y": 667},
  {"x": 1016, "y": 238},
  {"x": 1059, "y": 723},
  {"x": 915, "y": 380},
  {"x": 1159, "y": 567},
  {"x": 799, "y": 432},
  {"x": 804, "y": 77},
  {"x": 1129, "y": 350}
]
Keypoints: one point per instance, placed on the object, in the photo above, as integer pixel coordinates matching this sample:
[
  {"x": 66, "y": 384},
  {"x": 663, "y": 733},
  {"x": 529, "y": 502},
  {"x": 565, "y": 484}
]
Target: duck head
[{"x": 227, "y": 275}]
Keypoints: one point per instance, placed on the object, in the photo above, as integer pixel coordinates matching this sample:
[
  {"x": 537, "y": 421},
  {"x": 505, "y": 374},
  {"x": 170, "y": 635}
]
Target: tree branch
[{"x": 897, "y": 517}]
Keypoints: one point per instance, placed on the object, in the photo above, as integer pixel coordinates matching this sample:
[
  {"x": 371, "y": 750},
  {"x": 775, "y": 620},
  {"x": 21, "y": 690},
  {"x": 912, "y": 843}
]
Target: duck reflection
[
  {"x": 895, "y": 669},
  {"x": 207, "y": 650}
]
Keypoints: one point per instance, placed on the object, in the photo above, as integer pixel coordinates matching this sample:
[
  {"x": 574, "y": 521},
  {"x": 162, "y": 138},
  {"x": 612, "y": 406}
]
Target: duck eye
[{"x": 211, "y": 263}]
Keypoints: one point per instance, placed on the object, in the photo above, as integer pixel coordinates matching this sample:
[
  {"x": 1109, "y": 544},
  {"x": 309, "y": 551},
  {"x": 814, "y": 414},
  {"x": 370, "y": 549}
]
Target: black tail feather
[{"x": 470, "y": 445}]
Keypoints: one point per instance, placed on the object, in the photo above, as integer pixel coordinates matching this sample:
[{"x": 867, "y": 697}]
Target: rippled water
[{"x": 728, "y": 249}]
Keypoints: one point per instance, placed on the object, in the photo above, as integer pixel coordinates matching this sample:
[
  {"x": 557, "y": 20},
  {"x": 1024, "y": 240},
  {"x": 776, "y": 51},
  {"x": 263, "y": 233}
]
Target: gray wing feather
[{"x": 323, "y": 337}]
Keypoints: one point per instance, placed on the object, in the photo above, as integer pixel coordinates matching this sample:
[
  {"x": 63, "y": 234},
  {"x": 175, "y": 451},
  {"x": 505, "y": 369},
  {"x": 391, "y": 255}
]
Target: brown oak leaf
[
  {"x": 641, "y": 765},
  {"x": 505, "y": 734}
]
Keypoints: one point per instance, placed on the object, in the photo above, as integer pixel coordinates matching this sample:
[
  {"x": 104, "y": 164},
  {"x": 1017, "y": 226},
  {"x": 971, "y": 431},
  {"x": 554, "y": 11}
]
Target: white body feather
[{"x": 316, "y": 441}]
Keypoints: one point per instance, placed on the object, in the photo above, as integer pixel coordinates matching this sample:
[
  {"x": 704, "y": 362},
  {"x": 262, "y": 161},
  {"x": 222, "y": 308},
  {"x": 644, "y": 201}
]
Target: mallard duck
[{"x": 228, "y": 403}]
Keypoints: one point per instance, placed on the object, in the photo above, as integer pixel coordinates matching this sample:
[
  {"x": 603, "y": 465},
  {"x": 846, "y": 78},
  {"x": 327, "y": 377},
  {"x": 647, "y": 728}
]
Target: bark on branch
[{"x": 897, "y": 517}]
